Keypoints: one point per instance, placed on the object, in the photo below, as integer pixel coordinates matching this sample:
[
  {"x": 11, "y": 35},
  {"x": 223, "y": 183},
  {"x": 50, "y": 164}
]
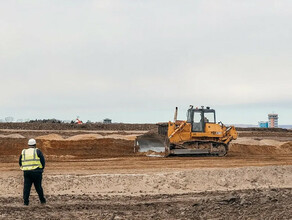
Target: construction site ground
[{"x": 94, "y": 174}]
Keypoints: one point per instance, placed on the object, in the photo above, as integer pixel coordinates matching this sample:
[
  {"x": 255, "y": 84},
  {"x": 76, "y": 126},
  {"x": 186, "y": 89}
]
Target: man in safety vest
[{"x": 32, "y": 162}]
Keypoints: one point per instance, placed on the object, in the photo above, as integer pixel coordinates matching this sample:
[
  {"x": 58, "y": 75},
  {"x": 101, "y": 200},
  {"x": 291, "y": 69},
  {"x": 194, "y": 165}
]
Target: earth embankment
[{"x": 78, "y": 144}]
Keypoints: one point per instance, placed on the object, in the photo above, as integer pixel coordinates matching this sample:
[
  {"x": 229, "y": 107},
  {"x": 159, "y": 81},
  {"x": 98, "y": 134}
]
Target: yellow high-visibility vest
[{"x": 30, "y": 159}]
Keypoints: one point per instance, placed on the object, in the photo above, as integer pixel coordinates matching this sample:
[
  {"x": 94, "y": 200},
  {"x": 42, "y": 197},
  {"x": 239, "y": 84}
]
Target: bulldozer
[{"x": 198, "y": 135}]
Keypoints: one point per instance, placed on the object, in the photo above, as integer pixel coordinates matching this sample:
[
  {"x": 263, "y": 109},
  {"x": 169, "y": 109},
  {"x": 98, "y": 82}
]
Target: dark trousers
[{"x": 32, "y": 177}]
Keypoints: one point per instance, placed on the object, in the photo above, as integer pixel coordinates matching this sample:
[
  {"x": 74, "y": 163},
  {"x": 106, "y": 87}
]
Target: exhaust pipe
[{"x": 175, "y": 114}]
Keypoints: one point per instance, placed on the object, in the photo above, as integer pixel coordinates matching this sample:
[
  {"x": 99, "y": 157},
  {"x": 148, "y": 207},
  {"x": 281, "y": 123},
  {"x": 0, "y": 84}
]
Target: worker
[
  {"x": 206, "y": 120},
  {"x": 32, "y": 162}
]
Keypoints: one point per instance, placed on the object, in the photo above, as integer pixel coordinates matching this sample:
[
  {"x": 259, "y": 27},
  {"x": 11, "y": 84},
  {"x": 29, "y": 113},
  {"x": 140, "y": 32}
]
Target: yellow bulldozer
[{"x": 198, "y": 135}]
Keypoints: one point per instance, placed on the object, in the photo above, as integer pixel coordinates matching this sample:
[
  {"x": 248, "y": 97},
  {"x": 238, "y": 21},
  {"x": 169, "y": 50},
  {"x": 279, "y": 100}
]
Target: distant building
[
  {"x": 263, "y": 124},
  {"x": 273, "y": 120},
  {"x": 107, "y": 121}
]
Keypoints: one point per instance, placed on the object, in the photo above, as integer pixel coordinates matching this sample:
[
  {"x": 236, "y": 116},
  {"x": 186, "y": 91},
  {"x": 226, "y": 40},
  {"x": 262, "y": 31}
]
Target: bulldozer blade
[{"x": 149, "y": 143}]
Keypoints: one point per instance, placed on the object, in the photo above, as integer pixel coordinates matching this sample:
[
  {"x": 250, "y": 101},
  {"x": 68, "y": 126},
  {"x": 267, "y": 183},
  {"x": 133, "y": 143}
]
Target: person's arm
[
  {"x": 19, "y": 161},
  {"x": 42, "y": 158}
]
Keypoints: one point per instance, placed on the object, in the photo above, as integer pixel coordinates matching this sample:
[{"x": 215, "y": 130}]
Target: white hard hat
[{"x": 31, "y": 142}]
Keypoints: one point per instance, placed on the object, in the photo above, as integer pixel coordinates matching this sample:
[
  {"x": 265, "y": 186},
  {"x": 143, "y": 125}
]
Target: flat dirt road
[{"x": 96, "y": 175}]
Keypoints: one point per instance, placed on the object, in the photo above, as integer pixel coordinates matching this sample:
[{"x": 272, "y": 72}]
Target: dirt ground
[
  {"x": 242, "y": 204},
  {"x": 95, "y": 174}
]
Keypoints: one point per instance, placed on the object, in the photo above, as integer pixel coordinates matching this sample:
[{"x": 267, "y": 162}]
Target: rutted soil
[{"x": 241, "y": 204}]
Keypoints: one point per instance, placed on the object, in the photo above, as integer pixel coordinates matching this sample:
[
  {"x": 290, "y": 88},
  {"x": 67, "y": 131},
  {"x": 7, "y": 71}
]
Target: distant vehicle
[{"x": 78, "y": 121}]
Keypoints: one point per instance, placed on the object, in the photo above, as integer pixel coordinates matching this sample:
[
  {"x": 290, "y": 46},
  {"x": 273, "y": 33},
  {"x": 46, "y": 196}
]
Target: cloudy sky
[{"x": 136, "y": 60}]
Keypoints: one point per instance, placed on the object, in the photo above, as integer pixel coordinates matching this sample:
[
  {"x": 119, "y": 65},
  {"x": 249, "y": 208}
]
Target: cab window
[
  {"x": 209, "y": 117},
  {"x": 197, "y": 122}
]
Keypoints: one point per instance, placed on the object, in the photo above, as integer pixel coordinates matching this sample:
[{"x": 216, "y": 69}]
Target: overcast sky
[{"x": 136, "y": 60}]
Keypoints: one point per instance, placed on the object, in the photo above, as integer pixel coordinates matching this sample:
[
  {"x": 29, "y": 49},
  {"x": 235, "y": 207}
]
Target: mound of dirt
[
  {"x": 81, "y": 137},
  {"x": 257, "y": 141},
  {"x": 244, "y": 150},
  {"x": 123, "y": 137},
  {"x": 286, "y": 148},
  {"x": 50, "y": 137},
  {"x": 87, "y": 148},
  {"x": 85, "y": 137},
  {"x": 12, "y": 146},
  {"x": 11, "y": 136}
]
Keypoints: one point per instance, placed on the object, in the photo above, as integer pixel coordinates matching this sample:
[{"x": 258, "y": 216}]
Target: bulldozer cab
[{"x": 199, "y": 117}]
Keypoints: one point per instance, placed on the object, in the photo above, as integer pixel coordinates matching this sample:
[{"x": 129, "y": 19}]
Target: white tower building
[{"x": 273, "y": 120}]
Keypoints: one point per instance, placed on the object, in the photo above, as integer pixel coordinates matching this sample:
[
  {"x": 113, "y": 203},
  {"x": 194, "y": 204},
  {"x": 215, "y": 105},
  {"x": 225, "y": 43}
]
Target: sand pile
[
  {"x": 243, "y": 149},
  {"x": 11, "y": 136},
  {"x": 50, "y": 137},
  {"x": 286, "y": 148},
  {"x": 257, "y": 141},
  {"x": 87, "y": 148},
  {"x": 12, "y": 146},
  {"x": 85, "y": 137},
  {"x": 130, "y": 137},
  {"x": 79, "y": 146}
]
